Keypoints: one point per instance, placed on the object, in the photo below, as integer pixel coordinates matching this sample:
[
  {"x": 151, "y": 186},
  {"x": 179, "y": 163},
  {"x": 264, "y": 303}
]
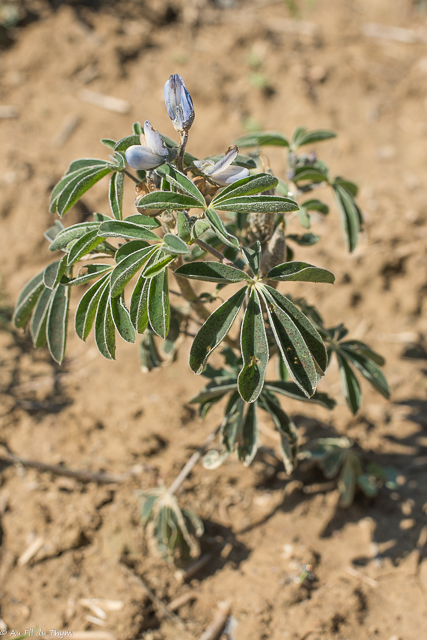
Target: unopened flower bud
[{"x": 179, "y": 103}]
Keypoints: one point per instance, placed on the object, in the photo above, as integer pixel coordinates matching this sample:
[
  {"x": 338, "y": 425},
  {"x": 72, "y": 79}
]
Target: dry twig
[{"x": 218, "y": 623}]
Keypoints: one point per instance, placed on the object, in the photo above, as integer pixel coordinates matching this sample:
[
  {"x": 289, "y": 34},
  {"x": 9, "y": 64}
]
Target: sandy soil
[{"x": 262, "y": 527}]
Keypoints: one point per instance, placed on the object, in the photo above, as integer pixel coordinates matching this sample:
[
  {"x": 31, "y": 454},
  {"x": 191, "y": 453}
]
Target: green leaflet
[
  {"x": 27, "y": 300},
  {"x": 174, "y": 245},
  {"x": 198, "y": 228},
  {"x": 302, "y": 137},
  {"x": 86, "y": 309},
  {"x": 129, "y": 247},
  {"x": 139, "y": 304},
  {"x": 259, "y": 204},
  {"x": 369, "y": 370},
  {"x": 350, "y": 385},
  {"x": 74, "y": 232},
  {"x": 91, "y": 271},
  {"x": 300, "y": 271},
  {"x": 316, "y": 205},
  {"x": 158, "y": 266},
  {"x": 291, "y": 390},
  {"x": 253, "y": 256},
  {"x": 262, "y": 139},
  {"x": 126, "y": 269},
  {"x": 286, "y": 428},
  {"x": 54, "y": 272},
  {"x": 57, "y": 322},
  {"x": 86, "y": 163},
  {"x": 304, "y": 240},
  {"x": 362, "y": 349},
  {"x": 180, "y": 180},
  {"x": 232, "y": 421},
  {"x": 350, "y": 187},
  {"x": 245, "y": 187},
  {"x": 71, "y": 188},
  {"x": 255, "y": 353},
  {"x": 249, "y": 435},
  {"x": 158, "y": 304},
  {"x": 311, "y": 336},
  {"x": 214, "y": 391},
  {"x": 144, "y": 221},
  {"x": 309, "y": 173},
  {"x": 211, "y": 272},
  {"x": 115, "y": 194},
  {"x": 121, "y": 319},
  {"x": 128, "y": 141},
  {"x": 108, "y": 142},
  {"x": 83, "y": 246},
  {"x": 218, "y": 228},
  {"x": 214, "y": 330},
  {"x": 148, "y": 354},
  {"x": 39, "y": 319},
  {"x": 167, "y": 200},
  {"x": 183, "y": 226},
  {"x": 292, "y": 346},
  {"x": 350, "y": 215},
  {"x": 126, "y": 229},
  {"x": 51, "y": 233},
  {"x": 105, "y": 335}
]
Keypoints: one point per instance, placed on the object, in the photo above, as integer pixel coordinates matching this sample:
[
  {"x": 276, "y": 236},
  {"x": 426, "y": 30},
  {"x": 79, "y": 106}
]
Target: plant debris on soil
[{"x": 287, "y": 560}]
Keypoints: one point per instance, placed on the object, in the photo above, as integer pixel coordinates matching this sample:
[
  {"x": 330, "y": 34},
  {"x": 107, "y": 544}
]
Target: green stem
[
  {"x": 214, "y": 252},
  {"x": 180, "y": 159}
]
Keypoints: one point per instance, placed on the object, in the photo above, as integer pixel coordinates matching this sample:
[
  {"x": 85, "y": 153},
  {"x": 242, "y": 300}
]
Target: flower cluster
[{"x": 153, "y": 152}]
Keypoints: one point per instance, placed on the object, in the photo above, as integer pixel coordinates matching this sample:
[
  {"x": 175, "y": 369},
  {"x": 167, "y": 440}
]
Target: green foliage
[{"x": 186, "y": 208}]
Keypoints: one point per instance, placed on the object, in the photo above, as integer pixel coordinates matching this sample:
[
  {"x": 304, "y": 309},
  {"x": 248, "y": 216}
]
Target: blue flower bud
[{"x": 179, "y": 104}]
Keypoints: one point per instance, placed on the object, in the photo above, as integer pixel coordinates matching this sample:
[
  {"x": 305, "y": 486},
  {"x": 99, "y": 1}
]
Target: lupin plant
[{"x": 219, "y": 220}]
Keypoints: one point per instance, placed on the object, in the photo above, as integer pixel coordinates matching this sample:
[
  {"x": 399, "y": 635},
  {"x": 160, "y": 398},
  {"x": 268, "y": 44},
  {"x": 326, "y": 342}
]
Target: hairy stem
[
  {"x": 186, "y": 470},
  {"x": 180, "y": 158},
  {"x": 129, "y": 175},
  {"x": 214, "y": 252}
]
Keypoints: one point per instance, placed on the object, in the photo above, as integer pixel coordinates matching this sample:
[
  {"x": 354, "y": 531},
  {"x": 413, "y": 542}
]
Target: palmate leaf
[
  {"x": 245, "y": 187},
  {"x": 214, "y": 330},
  {"x": 180, "y": 180},
  {"x": 27, "y": 300},
  {"x": 57, "y": 322},
  {"x": 262, "y": 139},
  {"x": 212, "y": 272},
  {"x": 115, "y": 194},
  {"x": 87, "y": 307},
  {"x": 158, "y": 304},
  {"x": 254, "y": 347},
  {"x": 300, "y": 272},
  {"x": 219, "y": 229},
  {"x": 69, "y": 234},
  {"x": 350, "y": 215},
  {"x": 259, "y": 204}
]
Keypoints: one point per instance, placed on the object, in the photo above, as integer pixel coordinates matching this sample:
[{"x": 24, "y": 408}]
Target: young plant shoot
[{"x": 219, "y": 220}]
